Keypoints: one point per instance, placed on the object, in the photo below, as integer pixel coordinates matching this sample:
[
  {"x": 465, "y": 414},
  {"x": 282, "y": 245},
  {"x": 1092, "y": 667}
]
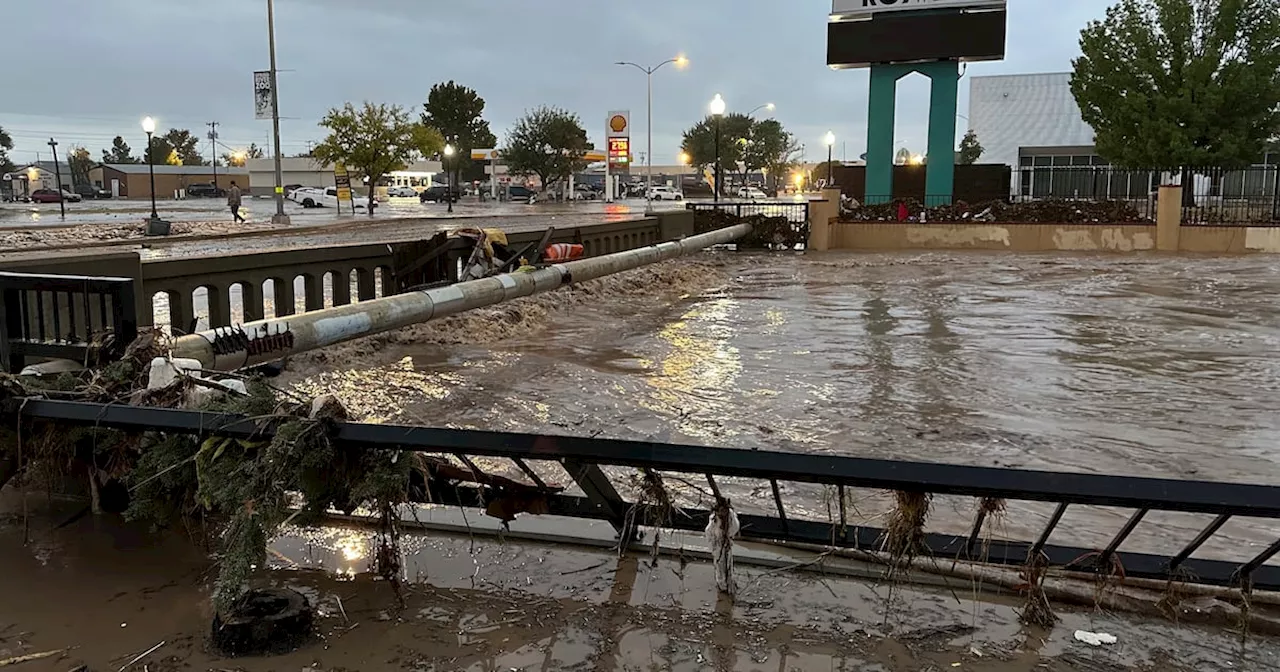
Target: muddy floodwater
[
  {"x": 1133, "y": 365},
  {"x": 1128, "y": 365}
]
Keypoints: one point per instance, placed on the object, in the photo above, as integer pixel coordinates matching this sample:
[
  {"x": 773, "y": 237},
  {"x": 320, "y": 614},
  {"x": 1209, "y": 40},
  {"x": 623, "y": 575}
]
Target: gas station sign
[{"x": 619, "y": 151}]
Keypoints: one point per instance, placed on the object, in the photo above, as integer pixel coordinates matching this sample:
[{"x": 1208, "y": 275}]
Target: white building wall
[{"x": 1012, "y": 111}]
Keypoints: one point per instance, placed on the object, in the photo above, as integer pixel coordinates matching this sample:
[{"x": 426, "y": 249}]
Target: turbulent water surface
[{"x": 1150, "y": 366}]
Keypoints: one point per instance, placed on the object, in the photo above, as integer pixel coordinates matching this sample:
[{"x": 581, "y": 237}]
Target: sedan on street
[{"x": 53, "y": 196}]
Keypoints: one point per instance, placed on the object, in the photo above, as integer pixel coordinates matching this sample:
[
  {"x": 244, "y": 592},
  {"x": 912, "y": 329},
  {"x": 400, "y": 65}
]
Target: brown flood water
[{"x": 1152, "y": 366}]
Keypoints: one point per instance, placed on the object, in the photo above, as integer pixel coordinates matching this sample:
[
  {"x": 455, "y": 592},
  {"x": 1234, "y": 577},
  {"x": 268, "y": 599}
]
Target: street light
[
  {"x": 766, "y": 106},
  {"x": 448, "y": 194},
  {"x": 830, "y": 140},
  {"x": 680, "y": 62},
  {"x": 717, "y": 110},
  {"x": 149, "y": 127}
]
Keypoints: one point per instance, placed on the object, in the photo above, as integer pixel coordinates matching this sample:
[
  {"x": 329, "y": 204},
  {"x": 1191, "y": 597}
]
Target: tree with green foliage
[
  {"x": 6, "y": 144},
  {"x": 746, "y": 145},
  {"x": 457, "y": 113},
  {"x": 970, "y": 149},
  {"x": 186, "y": 146},
  {"x": 80, "y": 161},
  {"x": 120, "y": 152},
  {"x": 238, "y": 159},
  {"x": 375, "y": 140},
  {"x": 1177, "y": 83},
  {"x": 548, "y": 142}
]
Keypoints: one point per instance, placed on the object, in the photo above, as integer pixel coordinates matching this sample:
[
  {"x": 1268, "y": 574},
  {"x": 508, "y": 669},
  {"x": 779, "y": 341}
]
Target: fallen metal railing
[
  {"x": 64, "y": 317},
  {"x": 582, "y": 459}
]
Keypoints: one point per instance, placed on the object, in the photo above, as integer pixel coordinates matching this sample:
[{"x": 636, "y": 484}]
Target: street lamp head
[
  {"x": 769, "y": 106},
  {"x": 717, "y": 105},
  {"x": 681, "y": 61},
  {"x": 148, "y": 125},
  {"x": 449, "y": 150},
  {"x": 829, "y": 139},
  {"x": 684, "y": 158}
]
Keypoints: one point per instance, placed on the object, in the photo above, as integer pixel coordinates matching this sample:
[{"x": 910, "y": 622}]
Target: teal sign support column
[{"x": 940, "y": 171}]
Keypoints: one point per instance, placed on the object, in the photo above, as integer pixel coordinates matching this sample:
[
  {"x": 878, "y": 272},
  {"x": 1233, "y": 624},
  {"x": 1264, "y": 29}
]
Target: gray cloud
[{"x": 188, "y": 62}]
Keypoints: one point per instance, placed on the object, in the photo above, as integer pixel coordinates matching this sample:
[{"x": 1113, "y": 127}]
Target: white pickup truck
[{"x": 314, "y": 197}]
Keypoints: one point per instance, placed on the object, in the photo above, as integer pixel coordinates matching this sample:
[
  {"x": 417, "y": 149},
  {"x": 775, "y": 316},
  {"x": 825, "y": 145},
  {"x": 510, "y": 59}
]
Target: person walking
[{"x": 233, "y": 202}]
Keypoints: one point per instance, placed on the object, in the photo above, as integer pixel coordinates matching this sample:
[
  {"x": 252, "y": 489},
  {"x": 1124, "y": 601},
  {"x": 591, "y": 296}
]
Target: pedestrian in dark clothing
[{"x": 233, "y": 202}]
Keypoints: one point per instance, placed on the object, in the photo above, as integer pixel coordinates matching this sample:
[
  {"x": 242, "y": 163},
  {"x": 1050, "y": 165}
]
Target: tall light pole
[
  {"x": 57, "y": 176},
  {"x": 149, "y": 127},
  {"x": 680, "y": 62},
  {"x": 280, "y": 217},
  {"x": 717, "y": 110},
  {"x": 830, "y": 140},
  {"x": 448, "y": 191}
]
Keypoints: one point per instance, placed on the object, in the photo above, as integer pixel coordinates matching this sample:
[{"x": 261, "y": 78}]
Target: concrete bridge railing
[{"x": 234, "y": 288}]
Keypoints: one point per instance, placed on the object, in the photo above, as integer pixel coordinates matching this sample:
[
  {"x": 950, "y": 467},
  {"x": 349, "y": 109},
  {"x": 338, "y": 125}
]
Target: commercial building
[
  {"x": 133, "y": 180},
  {"x": 39, "y": 175},
  {"x": 308, "y": 172},
  {"x": 1032, "y": 123}
]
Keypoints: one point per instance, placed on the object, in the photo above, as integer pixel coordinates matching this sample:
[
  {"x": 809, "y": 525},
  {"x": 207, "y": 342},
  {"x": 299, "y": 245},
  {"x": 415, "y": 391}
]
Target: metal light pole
[
  {"x": 448, "y": 190},
  {"x": 680, "y": 62},
  {"x": 830, "y": 140},
  {"x": 57, "y": 175},
  {"x": 768, "y": 106},
  {"x": 717, "y": 111},
  {"x": 149, "y": 127},
  {"x": 280, "y": 217}
]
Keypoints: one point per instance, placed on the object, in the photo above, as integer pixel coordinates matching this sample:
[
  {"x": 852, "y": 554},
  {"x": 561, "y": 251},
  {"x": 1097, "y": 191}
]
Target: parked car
[
  {"x": 517, "y": 193},
  {"x": 205, "y": 190},
  {"x": 313, "y": 197},
  {"x": 53, "y": 196},
  {"x": 663, "y": 193},
  {"x": 90, "y": 191},
  {"x": 583, "y": 192},
  {"x": 438, "y": 193},
  {"x": 751, "y": 193},
  {"x": 402, "y": 192}
]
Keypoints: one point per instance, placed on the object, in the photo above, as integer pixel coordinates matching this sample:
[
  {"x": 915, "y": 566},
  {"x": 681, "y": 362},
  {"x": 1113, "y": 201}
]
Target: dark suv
[
  {"x": 437, "y": 193},
  {"x": 205, "y": 190},
  {"x": 90, "y": 191}
]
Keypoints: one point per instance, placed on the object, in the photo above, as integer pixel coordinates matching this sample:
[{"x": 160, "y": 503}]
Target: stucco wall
[
  {"x": 1049, "y": 237},
  {"x": 1019, "y": 237}
]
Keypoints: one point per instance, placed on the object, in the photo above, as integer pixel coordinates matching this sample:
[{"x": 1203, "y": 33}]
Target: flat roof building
[{"x": 133, "y": 180}]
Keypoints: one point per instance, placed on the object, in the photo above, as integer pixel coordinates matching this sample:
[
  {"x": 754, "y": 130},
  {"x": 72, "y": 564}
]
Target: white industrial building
[
  {"x": 1026, "y": 120},
  {"x": 308, "y": 172}
]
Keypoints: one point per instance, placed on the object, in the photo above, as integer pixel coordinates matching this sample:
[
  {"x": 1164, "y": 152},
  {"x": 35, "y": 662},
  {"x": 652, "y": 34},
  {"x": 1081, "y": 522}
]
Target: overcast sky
[{"x": 92, "y": 70}]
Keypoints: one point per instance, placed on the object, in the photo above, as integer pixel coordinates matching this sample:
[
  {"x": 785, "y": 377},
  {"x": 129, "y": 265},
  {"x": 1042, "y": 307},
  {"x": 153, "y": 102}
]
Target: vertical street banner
[{"x": 262, "y": 94}]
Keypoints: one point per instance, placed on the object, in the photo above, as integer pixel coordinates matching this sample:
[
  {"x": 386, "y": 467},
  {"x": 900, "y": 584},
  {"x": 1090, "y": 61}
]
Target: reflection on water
[{"x": 1138, "y": 365}]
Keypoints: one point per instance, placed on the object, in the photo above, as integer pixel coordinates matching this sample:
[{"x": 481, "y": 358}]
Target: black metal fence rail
[
  {"x": 64, "y": 316},
  {"x": 582, "y": 459},
  {"x": 1211, "y": 196},
  {"x": 779, "y": 225}
]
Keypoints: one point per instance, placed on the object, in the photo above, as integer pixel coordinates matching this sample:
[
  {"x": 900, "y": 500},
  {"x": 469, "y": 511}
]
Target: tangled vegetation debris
[
  {"x": 767, "y": 232},
  {"x": 1048, "y": 211}
]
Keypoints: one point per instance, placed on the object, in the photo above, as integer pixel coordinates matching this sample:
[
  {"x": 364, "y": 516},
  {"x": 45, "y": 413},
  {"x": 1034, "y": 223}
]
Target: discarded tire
[{"x": 267, "y": 620}]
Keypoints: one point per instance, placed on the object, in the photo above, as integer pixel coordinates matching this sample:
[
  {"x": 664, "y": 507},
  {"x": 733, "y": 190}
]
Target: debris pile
[
  {"x": 769, "y": 233},
  {"x": 1052, "y": 211}
]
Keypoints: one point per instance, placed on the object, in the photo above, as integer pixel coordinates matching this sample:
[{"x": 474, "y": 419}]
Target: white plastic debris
[
  {"x": 235, "y": 385},
  {"x": 721, "y": 529},
  {"x": 52, "y": 367},
  {"x": 1095, "y": 638},
  {"x": 164, "y": 372}
]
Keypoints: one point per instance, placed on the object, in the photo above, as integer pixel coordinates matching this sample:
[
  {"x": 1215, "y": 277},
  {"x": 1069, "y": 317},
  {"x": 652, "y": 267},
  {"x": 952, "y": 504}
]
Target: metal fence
[
  {"x": 64, "y": 316},
  {"x": 533, "y": 461},
  {"x": 778, "y": 224},
  {"x": 1214, "y": 196}
]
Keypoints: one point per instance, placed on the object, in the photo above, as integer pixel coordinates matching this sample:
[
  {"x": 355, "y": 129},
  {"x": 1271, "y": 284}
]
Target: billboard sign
[
  {"x": 619, "y": 124},
  {"x": 843, "y": 8}
]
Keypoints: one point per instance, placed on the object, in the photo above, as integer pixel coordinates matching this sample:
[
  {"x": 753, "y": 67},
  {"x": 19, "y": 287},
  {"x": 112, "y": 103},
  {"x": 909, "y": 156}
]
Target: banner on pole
[{"x": 262, "y": 94}]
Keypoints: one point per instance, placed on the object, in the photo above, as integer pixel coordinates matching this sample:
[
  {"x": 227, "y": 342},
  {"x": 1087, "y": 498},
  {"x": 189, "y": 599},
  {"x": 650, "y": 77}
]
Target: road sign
[{"x": 342, "y": 181}]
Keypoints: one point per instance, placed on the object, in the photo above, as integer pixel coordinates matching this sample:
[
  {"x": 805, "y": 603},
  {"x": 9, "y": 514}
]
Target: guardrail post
[
  {"x": 600, "y": 491},
  {"x": 11, "y": 324}
]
